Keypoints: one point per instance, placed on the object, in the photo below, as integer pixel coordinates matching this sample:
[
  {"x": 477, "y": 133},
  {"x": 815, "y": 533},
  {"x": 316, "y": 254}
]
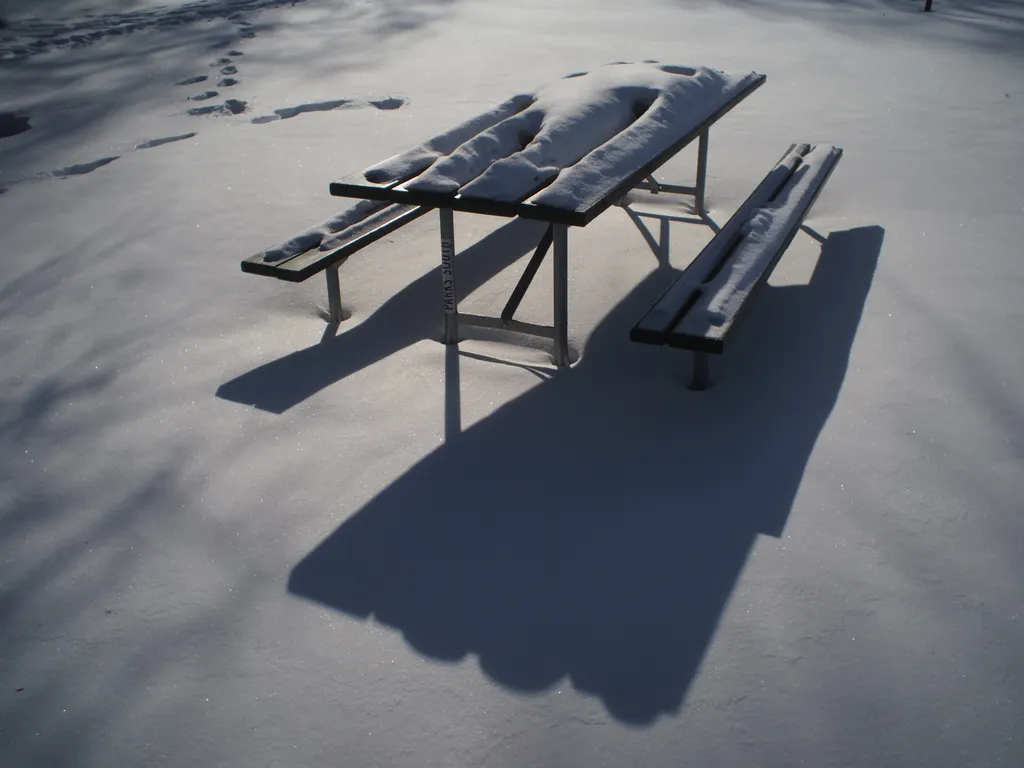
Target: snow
[
  {"x": 360, "y": 214},
  {"x": 682, "y": 103},
  {"x": 416, "y": 160},
  {"x": 233, "y": 536},
  {"x": 588, "y": 129},
  {"x": 762, "y": 234}
]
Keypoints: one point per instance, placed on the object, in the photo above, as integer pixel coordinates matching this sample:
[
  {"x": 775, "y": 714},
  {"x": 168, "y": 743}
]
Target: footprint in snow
[
  {"x": 389, "y": 103},
  {"x": 193, "y": 80},
  {"x": 166, "y": 140},
  {"x": 83, "y": 168},
  {"x": 203, "y": 96},
  {"x": 12, "y": 124},
  {"x": 221, "y": 61},
  {"x": 229, "y": 107},
  {"x": 236, "y": 53},
  {"x": 229, "y": 70},
  {"x": 286, "y": 113},
  {"x": 227, "y": 82}
]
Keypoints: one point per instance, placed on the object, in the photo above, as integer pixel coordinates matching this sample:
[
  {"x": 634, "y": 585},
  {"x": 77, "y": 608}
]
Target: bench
[
  {"x": 326, "y": 246},
  {"x": 706, "y": 302}
]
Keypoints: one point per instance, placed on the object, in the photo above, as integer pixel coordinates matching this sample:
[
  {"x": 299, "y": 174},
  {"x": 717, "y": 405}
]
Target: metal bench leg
[
  {"x": 700, "y": 372},
  {"x": 451, "y": 310},
  {"x": 702, "y": 171},
  {"x": 333, "y": 294},
  {"x": 560, "y": 235}
]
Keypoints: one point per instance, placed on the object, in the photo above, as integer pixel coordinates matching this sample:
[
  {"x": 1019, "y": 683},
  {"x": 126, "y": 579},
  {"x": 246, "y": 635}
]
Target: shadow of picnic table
[
  {"x": 411, "y": 315},
  {"x": 594, "y": 528}
]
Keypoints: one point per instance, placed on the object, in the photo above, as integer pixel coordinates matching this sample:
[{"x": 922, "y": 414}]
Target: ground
[{"x": 236, "y": 535}]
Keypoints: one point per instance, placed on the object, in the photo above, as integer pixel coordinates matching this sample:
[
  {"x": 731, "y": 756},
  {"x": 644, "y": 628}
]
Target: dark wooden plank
[
  {"x": 664, "y": 314},
  {"x": 356, "y": 185},
  {"x": 304, "y": 265},
  {"x": 705, "y": 343},
  {"x": 429, "y": 199}
]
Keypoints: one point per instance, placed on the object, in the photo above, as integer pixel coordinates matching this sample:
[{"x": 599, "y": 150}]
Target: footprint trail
[
  {"x": 83, "y": 168},
  {"x": 12, "y": 124},
  {"x": 25, "y": 38},
  {"x": 286, "y": 113},
  {"x": 166, "y": 140}
]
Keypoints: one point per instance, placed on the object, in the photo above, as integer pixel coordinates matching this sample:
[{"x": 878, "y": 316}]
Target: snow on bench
[
  {"x": 567, "y": 147},
  {"x": 328, "y": 244},
  {"x": 705, "y": 303}
]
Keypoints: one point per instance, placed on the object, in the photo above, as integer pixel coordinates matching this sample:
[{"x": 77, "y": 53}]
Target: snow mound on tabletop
[
  {"x": 680, "y": 103},
  {"x": 413, "y": 161},
  {"x": 578, "y": 134}
]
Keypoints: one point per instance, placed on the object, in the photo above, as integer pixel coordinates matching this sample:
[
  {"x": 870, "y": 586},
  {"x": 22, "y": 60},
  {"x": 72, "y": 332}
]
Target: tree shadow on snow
[
  {"x": 57, "y": 91},
  {"x": 594, "y": 528},
  {"x": 996, "y": 25}
]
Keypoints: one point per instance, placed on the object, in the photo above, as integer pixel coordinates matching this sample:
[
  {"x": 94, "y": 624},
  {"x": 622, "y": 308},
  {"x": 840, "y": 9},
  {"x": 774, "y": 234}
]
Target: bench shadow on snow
[
  {"x": 594, "y": 528},
  {"x": 410, "y": 316}
]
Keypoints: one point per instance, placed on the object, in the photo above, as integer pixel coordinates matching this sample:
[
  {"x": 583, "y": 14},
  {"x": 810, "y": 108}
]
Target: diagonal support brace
[{"x": 527, "y": 277}]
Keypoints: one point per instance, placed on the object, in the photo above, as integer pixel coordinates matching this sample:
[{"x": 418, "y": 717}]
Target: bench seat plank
[
  {"x": 331, "y": 242},
  {"x": 700, "y": 308},
  {"x": 765, "y": 236}
]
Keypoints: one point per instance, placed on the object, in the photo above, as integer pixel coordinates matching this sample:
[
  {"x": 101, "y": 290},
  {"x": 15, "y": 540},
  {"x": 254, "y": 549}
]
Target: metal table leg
[
  {"x": 702, "y": 171},
  {"x": 334, "y": 294},
  {"x": 449, "y": 302},
  {"x": 560, "y": 233}
]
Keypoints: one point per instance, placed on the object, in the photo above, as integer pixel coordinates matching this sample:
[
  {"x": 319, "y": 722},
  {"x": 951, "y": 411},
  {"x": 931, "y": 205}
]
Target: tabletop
[{"x": 563, "y": 153}]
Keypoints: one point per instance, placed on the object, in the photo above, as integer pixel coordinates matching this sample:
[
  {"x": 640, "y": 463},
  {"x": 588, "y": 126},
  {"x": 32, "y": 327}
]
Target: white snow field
[{"x": 233, "y": 535}]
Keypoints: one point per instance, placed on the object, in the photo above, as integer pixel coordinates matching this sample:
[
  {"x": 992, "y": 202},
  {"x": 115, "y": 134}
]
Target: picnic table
[{"x": 564, "y": 154}]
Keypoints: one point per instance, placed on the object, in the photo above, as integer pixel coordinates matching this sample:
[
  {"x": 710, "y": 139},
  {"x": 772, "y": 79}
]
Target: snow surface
[{"x": 234, "y": 537}]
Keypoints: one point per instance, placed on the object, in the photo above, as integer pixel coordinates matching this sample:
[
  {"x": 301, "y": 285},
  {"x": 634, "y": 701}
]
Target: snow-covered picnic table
[{"x": 562, "y": 154}]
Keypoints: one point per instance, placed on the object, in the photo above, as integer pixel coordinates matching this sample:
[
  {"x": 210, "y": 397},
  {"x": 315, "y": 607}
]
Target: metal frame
[
  {"x": 558, "y": 333},
  {"x": 656, "y": 187},
  {"x": 557, "y": 235}
]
